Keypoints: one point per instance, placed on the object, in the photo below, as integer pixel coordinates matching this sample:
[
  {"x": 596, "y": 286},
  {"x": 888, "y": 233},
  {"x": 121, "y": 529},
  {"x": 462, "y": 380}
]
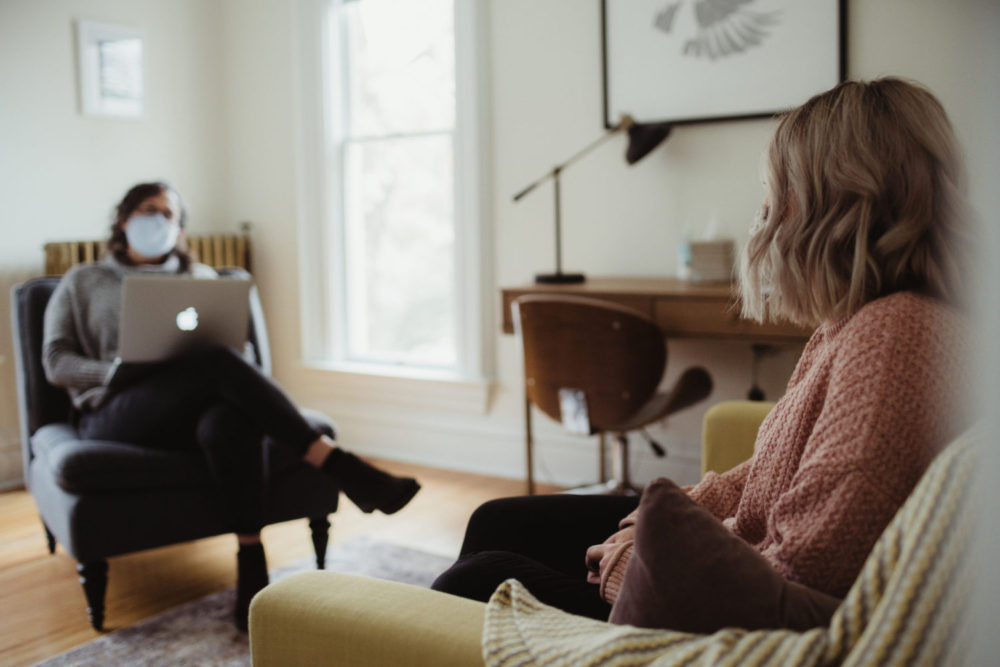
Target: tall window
[{"x": 391, "y": 125}]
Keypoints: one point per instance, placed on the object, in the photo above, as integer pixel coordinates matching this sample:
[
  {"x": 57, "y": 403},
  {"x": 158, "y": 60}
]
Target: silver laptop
[{"x": 163, "y": 316}]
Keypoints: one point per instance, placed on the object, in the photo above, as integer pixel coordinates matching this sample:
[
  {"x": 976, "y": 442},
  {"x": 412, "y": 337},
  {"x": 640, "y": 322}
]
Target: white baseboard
[
  {"x": 11, "y": 485},
  {"x": 10, "y": 458},
  {"x": 489, "y": 450}
]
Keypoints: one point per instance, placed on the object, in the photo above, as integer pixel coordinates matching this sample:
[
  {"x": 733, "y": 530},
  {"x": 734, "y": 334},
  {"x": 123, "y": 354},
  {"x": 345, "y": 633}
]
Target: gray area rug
[{"x": 202, "y": 632}]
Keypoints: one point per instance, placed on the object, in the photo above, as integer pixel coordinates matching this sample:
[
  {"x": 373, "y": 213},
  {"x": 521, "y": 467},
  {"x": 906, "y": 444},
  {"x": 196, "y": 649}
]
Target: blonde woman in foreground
[{"x": 862, "y": 234}]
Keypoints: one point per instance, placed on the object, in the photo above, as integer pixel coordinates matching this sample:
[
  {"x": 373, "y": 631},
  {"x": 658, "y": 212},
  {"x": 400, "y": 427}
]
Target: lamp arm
[
  {"x": 591, "y": 146},
  {"x": 531, "y": 187},
  {"x": 625, "y": 122}
]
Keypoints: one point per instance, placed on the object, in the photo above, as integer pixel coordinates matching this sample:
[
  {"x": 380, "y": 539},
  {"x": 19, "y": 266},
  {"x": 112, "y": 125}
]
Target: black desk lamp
[{"x": 642, "y": 139}]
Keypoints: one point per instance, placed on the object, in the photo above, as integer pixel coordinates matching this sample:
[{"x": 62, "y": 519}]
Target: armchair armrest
[
  {"x": 729, "y": 432},
  {"x": 327, "y": 618}
]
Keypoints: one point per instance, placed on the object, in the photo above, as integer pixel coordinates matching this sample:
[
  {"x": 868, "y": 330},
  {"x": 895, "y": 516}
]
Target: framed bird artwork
[{"x": 687, "y": 61}]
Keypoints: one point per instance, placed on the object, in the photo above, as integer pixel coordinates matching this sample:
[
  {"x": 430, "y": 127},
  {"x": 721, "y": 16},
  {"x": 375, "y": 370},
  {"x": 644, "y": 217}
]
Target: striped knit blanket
[{"x": 905, "y": 607}]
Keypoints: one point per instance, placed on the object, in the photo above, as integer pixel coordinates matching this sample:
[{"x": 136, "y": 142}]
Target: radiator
[{"x": 216, "y": 250}]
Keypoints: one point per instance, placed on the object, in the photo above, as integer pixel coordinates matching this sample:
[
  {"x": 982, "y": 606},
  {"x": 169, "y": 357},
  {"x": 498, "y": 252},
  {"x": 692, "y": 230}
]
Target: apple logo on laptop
[{"x": 187, "y": 319}]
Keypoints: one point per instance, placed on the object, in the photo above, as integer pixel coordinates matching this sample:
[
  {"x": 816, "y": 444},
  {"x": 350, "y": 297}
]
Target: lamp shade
[{"x": 643, "y": 138}]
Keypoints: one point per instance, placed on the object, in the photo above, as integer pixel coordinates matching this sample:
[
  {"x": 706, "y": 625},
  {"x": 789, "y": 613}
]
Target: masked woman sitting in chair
[{"x": 212, "y": 399}]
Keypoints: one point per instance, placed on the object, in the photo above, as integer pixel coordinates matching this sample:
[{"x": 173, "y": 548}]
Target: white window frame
[{"x": 318, "y": 195}]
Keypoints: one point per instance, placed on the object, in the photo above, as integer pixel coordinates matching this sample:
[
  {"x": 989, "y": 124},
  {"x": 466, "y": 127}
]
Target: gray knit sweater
[{"x": 80, "y": 341}]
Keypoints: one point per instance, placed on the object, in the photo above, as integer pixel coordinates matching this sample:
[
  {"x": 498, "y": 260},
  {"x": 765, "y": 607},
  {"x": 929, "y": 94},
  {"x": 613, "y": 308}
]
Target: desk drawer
[
  {"x": 695, "y": 317},
  {"x": 715, "y": 318}
]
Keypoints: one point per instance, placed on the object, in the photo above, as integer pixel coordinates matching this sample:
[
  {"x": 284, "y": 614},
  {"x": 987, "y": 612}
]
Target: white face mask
[{"x": 151, "y": 235}]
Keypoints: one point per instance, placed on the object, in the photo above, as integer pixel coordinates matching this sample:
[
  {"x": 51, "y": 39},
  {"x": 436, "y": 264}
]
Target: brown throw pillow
[{"x": 690, "y": 573}]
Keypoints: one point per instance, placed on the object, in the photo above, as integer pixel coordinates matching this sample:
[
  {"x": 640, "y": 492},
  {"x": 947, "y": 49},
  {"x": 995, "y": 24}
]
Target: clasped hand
[{"x": 599, "y": 556}]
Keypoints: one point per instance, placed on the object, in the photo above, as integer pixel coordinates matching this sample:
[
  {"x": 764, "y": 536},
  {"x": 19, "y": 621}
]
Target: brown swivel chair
[{"x": 615, "y": 356}]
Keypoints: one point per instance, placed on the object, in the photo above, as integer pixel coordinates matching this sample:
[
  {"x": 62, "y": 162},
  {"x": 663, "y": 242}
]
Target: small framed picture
[
  {"x": 684, "y": 62},
  {"x": 110, "y": 68}
]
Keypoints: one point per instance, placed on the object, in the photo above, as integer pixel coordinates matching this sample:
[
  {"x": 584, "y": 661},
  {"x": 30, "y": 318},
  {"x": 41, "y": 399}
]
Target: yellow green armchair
[
  {"x": 728, "y": 433},
  {"x": 905, "y": 607}
]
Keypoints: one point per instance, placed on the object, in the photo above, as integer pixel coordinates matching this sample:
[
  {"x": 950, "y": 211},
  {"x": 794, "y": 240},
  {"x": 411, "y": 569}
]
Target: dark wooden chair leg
[
  {"x": 320, "y": 527},
  {"x": 94, "y": 577},
  {"x": 49, "y": 538}
]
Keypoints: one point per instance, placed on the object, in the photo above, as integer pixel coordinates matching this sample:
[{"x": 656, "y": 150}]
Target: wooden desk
[{"x": 682, "y": 309}]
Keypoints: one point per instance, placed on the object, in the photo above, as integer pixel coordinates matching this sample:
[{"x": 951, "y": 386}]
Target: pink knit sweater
[{"x": 871, "y": 401}]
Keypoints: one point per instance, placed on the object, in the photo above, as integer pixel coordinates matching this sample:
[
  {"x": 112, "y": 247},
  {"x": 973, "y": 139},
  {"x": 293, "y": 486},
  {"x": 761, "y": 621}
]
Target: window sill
[{"x": 418, "y": 388}]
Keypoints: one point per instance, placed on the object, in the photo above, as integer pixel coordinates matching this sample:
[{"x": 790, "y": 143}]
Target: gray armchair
[{"x": 101, "y": 499}]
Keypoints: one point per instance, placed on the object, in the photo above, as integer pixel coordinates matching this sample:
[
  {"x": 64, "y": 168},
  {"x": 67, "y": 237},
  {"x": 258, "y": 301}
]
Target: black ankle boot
[
  {"x": 251, "y": 576},
  {"x": 368, "y": 487}
]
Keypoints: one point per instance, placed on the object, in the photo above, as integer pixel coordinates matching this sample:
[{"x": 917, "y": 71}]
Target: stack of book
[{"x": 707, "y": 261}]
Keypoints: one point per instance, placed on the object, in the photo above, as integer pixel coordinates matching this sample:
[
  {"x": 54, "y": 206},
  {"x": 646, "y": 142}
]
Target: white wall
[
  {"x": 61, "y": 173},
  {"x": 986, "y": 599},
  {"x": 260, "y": 156},
  {"x": 230, "y": 146}
]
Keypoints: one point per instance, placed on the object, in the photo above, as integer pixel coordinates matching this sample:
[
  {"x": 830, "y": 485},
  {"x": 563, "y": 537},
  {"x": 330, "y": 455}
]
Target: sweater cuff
[
  {"x": 630, "y": 519},
  {"x": 112, "y": 368},
  {"x": 87, "y": 374},
  {"x": 613, "y": 576}
]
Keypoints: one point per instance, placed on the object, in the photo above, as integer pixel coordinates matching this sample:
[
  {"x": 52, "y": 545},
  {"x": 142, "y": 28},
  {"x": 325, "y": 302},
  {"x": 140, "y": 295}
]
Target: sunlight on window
[
  {"x": 401, "y": 66},
  {"x": 398, "y": 104},
  {"x": 400, "y": 240}
]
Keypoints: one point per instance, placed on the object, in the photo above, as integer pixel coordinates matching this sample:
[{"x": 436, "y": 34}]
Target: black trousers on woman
[
  {"x": 215, "y": 401},
  {"x": 542, "y": 542}
]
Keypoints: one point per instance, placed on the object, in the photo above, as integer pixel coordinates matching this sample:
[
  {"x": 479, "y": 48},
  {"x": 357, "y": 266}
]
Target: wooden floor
[{"x": 42, "y": 608}]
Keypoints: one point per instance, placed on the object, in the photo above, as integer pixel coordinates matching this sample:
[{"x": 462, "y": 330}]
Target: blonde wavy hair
[{"x": 865, "y": 197}]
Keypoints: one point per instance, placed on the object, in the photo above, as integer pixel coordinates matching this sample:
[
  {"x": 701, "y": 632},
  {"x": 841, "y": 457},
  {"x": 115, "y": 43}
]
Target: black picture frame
[{"x": 621, "y": 16}]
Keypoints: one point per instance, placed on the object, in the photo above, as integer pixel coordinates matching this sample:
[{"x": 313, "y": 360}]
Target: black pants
[
  {"x": 542, "y": 542},
  {"x": 215, "y": 401}
]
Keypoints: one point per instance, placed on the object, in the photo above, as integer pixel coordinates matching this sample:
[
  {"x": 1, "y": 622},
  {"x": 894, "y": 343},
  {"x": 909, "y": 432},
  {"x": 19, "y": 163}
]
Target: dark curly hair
[{"x": 118, "y": 243}]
